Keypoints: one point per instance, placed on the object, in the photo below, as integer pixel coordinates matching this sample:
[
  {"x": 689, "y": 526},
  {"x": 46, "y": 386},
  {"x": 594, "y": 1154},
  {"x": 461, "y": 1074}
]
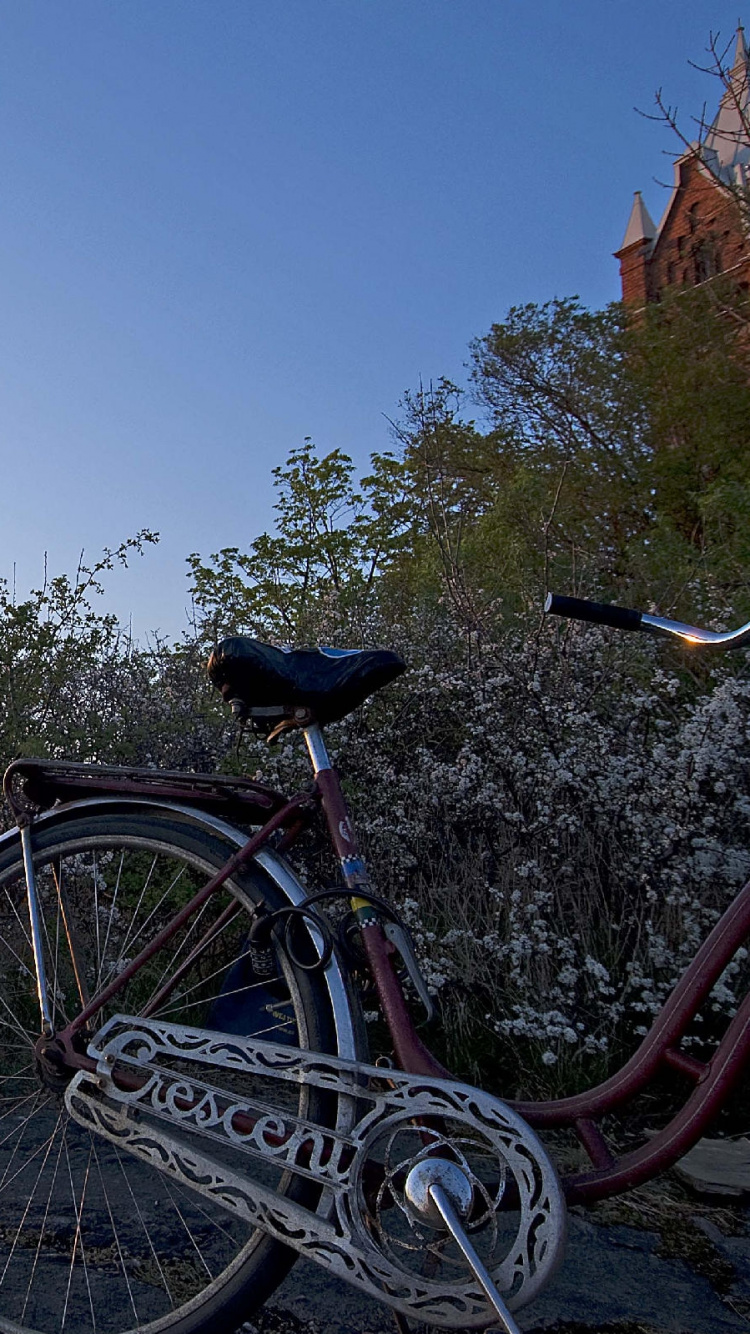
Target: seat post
[
  {"x": 316, "y": 748},
  {"x": 337, "y": 815}
]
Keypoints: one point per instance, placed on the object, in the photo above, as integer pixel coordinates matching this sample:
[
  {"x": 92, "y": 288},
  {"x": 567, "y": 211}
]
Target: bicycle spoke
[
  {"x": 96, "y": 916},
  {"x": 14, "y": 1024},
  {"x": 130, "y": 938},
  {"x": 56, "y": 967},
  {"x": 78, "y": 1239},
  {"x": 103, "y": 980},
  {"x": 23, "y": 967},
  {"x": 7, "y": 1181},
  {"x": 32, "y": 1097},
  {"x": 16, "y": 1079},
  {"x": 13, "y": 1103},
  {"x": 21, "y": 923},
  {"x": 194, "y": 1201},
  {"x": 43, "y": 1224},
  {"x": 52, "y": 979},
  {"x": 146, "y": 1231},
  {"x": 226, "y": 967},
  {"x": 184, "y": 947},
  {"x": 92, "y": 1240},
  {"x": 29, "y": 1202},
  {"x": 188, "y": 1233},
  {"x": 112, "y": 909},
  {"x": 181, "y": 1008},
  {"x": 115, "y": 1234}
]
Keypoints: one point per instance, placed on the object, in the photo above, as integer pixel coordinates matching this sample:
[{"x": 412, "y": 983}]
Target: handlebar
[{"x": 622, "y": 618}]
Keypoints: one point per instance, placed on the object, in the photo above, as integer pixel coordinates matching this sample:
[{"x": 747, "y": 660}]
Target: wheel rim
[{"x": 89, "y": 1239}]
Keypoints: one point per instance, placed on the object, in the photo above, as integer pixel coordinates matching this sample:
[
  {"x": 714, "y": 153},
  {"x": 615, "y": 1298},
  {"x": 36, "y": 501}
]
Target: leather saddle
[{"x": 329, "y": 683}]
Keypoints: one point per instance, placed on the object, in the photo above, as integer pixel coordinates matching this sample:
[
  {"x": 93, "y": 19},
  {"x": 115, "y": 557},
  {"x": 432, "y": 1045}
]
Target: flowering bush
[
  {"x": 560, "y": 817},
  {"x": 560, "y": 824}
]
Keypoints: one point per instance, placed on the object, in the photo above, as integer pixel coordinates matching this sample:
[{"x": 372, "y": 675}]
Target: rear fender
[{"x": 350, "y": 1037}]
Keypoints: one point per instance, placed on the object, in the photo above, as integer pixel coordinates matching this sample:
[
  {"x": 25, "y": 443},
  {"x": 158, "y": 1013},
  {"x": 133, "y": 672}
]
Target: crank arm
[{"x": 170, "y": 1119}]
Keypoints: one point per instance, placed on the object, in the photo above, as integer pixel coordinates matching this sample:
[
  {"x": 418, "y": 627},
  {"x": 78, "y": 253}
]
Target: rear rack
[{"x": 33, "y": 785}]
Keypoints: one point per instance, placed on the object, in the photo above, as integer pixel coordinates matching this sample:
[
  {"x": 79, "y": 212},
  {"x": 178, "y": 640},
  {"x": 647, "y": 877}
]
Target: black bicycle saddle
[{"x": 328, "y": 682}]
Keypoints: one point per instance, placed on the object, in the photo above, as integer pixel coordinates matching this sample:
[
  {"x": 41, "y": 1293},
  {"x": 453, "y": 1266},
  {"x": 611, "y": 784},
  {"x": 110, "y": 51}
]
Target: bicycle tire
[{"x": 91, "y": 1239}]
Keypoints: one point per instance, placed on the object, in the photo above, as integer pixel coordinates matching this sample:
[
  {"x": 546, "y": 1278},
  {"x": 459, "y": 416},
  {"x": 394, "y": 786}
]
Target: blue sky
[{"x": 226, "y": 225}]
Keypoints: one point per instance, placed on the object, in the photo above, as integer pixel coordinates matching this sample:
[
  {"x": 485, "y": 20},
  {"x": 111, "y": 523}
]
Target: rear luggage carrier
[{"x": 32, "y": 785}]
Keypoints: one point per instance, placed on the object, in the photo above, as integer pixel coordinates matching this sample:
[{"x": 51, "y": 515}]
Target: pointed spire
[
  {"x": 640, "y": 226},
  {"x": 740, "y": 50},
  {"x": 727, "y": 137}
]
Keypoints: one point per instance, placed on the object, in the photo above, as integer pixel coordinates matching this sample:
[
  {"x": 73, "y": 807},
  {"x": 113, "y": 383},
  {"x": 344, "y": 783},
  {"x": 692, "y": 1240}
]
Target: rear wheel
[{"x": 90, "y": 1238}]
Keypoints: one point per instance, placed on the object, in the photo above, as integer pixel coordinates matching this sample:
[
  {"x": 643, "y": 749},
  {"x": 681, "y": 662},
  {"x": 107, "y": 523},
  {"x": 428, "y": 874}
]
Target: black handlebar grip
[{"x": 620, "y": 618}]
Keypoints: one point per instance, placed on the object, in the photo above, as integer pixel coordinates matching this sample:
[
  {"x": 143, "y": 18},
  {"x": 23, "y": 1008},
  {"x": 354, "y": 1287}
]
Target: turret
[{"x": 634, "y": 254}]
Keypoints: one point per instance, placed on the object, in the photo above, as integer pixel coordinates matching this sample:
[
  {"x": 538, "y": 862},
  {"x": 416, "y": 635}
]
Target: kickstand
[{"x": 401, "y": 1325}]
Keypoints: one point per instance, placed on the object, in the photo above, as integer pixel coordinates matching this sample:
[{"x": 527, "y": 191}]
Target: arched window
[{"x": 707, "y": 262}]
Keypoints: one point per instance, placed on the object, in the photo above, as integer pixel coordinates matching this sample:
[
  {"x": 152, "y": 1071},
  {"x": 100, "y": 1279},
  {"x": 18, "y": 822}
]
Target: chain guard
[{"x": 364, "y": 1230}]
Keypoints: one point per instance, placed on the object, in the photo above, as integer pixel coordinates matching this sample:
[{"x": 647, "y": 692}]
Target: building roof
[
  {"x": 641, "y": 226},
  {"x": 724, "y": 152},
  {"x": 725, "y": 145}
]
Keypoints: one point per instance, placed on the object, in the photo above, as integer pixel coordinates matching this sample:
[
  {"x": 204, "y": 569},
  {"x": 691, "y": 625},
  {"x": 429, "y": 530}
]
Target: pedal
[
  {"x": 207, "y": 1109},
  {"x": 440, "y": 1192}
]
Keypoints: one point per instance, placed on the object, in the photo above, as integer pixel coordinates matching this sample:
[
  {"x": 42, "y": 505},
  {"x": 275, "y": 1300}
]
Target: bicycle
[{"x": 186, "y": 1097}]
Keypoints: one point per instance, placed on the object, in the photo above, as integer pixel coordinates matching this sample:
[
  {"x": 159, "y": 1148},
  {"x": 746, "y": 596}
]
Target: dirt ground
[{"x": 660, "y": 1260}]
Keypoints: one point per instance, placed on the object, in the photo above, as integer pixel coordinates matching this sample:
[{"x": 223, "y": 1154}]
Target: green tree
[
  {"x": 448, "y": 478},
  {"x": 555, "y": 383},
  {"x": 689, "y": 362},
  {"x": 66, "y": 668},
  {"x": 316, "y": 574}
]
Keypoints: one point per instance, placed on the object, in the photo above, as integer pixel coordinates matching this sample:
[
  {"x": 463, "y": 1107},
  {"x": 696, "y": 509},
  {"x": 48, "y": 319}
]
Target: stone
[{"x": 717, "y": 1167}]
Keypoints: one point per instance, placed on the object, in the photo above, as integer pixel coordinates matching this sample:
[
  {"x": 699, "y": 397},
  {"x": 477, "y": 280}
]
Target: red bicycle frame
[{"x": 660, "y": 1050}]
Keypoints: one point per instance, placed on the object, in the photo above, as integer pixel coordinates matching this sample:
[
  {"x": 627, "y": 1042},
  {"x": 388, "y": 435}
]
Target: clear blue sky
[{"x": 229, "y": 224}]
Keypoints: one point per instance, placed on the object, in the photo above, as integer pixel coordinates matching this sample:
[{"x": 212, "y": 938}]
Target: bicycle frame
[
  {"x": 610, "y": 1174},
  {"x": 660, "y": 1049}
]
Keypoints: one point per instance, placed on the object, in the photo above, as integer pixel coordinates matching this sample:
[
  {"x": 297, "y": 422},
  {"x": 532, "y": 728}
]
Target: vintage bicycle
[{"x": 187, "y": 1101}]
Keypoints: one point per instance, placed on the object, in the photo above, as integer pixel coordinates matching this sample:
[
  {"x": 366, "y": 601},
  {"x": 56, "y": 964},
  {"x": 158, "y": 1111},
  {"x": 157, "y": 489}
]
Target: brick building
[{"x": 702, "y": 231}]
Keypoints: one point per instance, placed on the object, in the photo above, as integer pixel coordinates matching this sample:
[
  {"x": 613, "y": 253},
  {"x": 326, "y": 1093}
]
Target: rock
[
  {"x": 717, "y": 1167},
  {"x": 612, "y": 1279}
]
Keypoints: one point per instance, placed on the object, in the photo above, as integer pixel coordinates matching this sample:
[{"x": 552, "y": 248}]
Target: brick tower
[{"x": 702, "y": 231}]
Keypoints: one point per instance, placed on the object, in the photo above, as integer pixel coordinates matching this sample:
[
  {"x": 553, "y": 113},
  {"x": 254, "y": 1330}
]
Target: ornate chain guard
[{"x": 148, "y": 1097}]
